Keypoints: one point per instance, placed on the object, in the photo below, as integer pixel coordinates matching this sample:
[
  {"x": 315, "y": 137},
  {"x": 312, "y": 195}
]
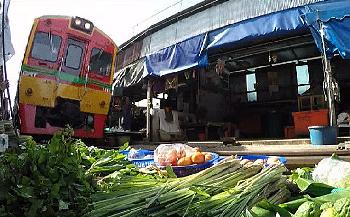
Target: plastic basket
[
  {"x": 182, "y": 171},
  {"x": 282, "y": 159},
  {"x": 140, "y": 162}
]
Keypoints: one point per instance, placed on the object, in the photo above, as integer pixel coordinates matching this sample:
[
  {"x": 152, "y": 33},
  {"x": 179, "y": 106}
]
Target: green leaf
[
  {"x": 170, "y": 172},
  {"x": 335, "y": 156},
  {"x": 261, "y": 212},
  {"x": 25, "y": 191},
  {"x": 332, "y": 197},
  {"x": 55, "y": 189},
  {"x": 35, "y": 206},
  {"x": 293, "y": 205},
  {"x": 42, "y": 158},
  {"x": 313, "y": 188},
  {"x": 124, "y": 147},
  {"x": 62, "y": 205},
  {"x": 200, "y": 192},
  {"x": 264, "y": 204}
]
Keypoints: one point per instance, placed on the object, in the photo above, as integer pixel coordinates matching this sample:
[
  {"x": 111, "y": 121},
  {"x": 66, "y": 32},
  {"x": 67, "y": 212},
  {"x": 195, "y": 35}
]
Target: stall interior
[{"x": 272, "y": 90}]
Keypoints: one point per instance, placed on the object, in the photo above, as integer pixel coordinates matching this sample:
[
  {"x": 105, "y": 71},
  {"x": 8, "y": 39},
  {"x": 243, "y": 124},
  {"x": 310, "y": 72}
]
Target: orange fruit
[
  {"x": 198, "y": 158},
  {"x": 208, "y": 157},
  {"x": 185, "y": 161}
]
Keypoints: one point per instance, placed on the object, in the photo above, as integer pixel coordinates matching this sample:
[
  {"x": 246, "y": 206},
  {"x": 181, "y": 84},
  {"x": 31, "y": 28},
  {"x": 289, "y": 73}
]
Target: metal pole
[
  {"x": 2, "y": 96},
  {"x": 328, "y": 79},
  {"x": 149, "y": 106}
]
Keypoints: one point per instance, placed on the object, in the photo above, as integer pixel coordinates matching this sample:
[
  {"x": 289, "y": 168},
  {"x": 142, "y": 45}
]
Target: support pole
[
  {"x": 149, "y": 106},
  {"x": 2, "y": 96},
  {"x": 328, "y": 80}
]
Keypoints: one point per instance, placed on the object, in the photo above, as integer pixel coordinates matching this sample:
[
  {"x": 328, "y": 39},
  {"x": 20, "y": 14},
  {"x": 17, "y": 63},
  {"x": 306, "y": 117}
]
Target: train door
[
  {"x": 72, "y": 63},
  {"x": 71, "y": 77}
]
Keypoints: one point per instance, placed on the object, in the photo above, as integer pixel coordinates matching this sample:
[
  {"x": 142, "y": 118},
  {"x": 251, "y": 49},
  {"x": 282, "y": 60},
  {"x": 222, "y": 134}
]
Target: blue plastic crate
[
  {"x": 282, "y": 159},
  {"x": 140, "y": 162}
]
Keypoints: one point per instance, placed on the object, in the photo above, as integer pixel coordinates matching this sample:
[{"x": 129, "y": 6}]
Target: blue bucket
[{"x": 323, "y": 135}]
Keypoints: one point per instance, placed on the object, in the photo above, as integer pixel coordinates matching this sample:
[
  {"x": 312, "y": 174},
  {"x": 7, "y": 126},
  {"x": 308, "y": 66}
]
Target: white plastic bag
[
  {"x": 169, "y": 154},
  {"x": 333, "y": 172}
]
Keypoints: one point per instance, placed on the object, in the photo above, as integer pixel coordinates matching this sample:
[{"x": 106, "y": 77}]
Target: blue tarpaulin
[
  {"x": 335, "y": 18},
  {"x": 178, "y": 57},
  {"x": 193, "y": 52},
  {"x": 278, "y": 24}
]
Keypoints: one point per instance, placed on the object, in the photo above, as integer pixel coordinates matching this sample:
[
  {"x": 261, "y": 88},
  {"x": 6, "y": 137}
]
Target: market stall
[{"x": 245, "y": 79}]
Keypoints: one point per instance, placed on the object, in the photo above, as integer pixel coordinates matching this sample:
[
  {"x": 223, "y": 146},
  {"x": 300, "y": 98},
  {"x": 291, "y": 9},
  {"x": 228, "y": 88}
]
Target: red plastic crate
[
  {"x": 304, "y": 119},
  {"x": 289, "y": 132}
]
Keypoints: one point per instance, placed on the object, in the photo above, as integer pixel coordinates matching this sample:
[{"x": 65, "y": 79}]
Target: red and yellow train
[{"x": 66, "y": 78}]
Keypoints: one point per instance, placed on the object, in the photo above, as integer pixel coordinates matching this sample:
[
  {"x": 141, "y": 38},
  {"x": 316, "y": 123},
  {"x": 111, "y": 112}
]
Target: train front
[{"x": 66, "y": 78}]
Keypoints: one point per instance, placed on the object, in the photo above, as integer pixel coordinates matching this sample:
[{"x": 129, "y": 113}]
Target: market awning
[
  {"x": 334, "y": 16},
  {"x": 274, "y": 25},
  {"x": 178, "y": 57},
  {"x": 130, "y": 75}
]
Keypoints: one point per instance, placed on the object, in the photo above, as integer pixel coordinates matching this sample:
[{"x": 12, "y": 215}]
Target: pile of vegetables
[
  {"x": 44, "y": 180},
  {"x": 66, "y": 178},
  {"x": 313, "y": 198},
  {"x": 57, "y": 178},
  {"x": 231, "y": 188}
]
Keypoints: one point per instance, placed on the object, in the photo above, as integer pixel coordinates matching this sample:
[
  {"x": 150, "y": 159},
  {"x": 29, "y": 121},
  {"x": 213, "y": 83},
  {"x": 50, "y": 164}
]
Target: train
[{"x": 66, "y": 78}]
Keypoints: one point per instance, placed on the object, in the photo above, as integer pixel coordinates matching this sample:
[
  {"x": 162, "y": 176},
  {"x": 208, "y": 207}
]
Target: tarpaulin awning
[
  {"x": 180, "y": 56},
  {"x": 335, "y": 18},
  {"x": 130, "y": 75},
  {"x": 278, "y": 24}
]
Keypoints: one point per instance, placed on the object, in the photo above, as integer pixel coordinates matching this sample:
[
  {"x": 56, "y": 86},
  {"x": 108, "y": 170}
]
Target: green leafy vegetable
[
  {"x": 308, "y": 209},
  {"x": 302, "y": 177},
  {"x": 44, "y": 180}
]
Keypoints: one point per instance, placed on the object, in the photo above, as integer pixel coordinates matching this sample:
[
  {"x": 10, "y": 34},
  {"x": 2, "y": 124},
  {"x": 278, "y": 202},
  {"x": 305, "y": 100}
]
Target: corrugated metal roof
[{"x": 214, "y": 17}]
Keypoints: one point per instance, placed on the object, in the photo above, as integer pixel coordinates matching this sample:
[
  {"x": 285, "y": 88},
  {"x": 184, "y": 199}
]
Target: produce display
[
  {"x": 67, "y": 178},
  {"x": 314, "y": 198},
  {"x": 44, "y": 180},
  {"x": 57, "y": 178},
  {"x": 229, "y": 188}
]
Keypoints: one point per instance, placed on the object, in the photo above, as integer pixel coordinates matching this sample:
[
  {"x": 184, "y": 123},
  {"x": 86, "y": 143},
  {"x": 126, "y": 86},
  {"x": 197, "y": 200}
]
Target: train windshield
[
  {"x": 46, "y": 46},
  {"x": 100, "y": 62}
]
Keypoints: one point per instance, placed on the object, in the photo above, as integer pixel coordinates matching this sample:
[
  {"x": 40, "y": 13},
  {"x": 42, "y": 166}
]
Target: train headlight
[
  {"x": 29, "y": 92},
  {"x": 82, "y": 24},
  {"x": 87, "y": 26},
  {"x": 78, "y": 22}
]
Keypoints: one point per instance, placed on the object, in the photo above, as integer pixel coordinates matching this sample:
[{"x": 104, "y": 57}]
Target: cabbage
[
  {"x": 333, "y": 172},
  {"x": 308, "y": 209}
]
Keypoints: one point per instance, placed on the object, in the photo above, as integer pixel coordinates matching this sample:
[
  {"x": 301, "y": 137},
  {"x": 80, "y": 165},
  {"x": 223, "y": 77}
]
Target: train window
[
  {"x": 46, "y": 46},
  {"x": 74, "y": 54},
  {"x": 100, "y": 62}
]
